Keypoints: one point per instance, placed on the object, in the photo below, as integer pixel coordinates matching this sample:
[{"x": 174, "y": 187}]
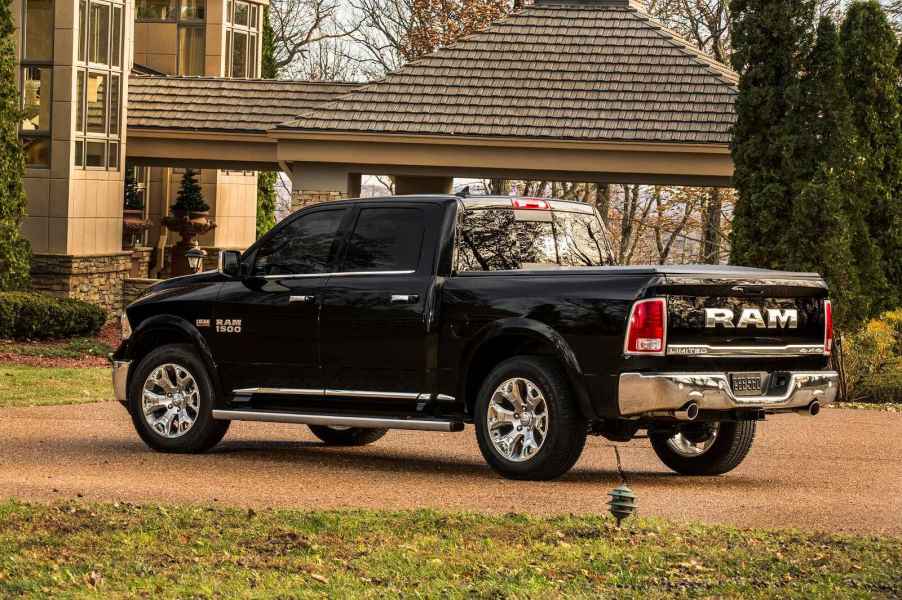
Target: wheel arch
[
  {"x": 507, "y": 338},
  {"x": 160, "y": 330}
]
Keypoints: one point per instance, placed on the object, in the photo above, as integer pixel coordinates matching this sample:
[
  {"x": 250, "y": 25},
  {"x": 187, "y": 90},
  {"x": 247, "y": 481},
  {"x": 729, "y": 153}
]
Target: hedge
[
  {"x": 30, "y": 315},
  {"x": 872, "y": 360}
]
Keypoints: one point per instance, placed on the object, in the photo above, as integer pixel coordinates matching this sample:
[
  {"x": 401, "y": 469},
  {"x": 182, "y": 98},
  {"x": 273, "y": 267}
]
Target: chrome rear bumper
[
  {"x": 120, "y": 378},
  {"x": 641, "y": 393}
]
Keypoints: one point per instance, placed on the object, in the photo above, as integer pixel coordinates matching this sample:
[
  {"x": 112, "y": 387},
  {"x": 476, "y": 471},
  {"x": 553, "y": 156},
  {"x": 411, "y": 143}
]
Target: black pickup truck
[{"x": 434, "y": 312}]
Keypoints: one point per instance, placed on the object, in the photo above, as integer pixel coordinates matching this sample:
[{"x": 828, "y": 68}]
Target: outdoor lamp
[{"x": 195, "y": 257}]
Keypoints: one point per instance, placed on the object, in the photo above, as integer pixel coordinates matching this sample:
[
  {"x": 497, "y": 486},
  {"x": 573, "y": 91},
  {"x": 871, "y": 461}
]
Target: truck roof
[{"x": 484, "y": 202}]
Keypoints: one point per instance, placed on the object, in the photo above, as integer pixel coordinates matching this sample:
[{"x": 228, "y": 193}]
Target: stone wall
[
  {"x": 134, "y": 287},
  {"x": 97, "y": 279},
  {"x": 302, "y": 198},
  {"x": 140, "y": 262}
]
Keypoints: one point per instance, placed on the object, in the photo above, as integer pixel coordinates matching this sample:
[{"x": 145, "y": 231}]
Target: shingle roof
[
  {"x": 589, "y": 70},
  {"x": 215, "y": 104}
]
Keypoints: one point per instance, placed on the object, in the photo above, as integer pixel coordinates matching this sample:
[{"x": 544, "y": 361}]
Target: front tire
[
  {"x": 347, "y": 436},
  {"x": 527, "y": 423},
  {"x": 704, "y": 448},
  {"x": 170, "y": 399}
]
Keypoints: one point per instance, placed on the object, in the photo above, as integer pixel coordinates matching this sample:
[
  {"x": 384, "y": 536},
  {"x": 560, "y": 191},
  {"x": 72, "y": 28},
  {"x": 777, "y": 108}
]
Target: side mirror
[{"x": 230, "y": 263}]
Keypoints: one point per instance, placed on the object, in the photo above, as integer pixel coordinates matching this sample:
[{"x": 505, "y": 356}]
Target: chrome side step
[{"x": 338, "y": 420}]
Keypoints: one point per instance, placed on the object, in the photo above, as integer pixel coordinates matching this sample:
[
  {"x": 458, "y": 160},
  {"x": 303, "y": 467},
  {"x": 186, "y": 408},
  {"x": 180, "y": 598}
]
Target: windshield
[{"x": 498, "y": 239}]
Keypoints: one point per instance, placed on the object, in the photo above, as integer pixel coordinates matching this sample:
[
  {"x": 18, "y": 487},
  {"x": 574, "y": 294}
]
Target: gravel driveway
[{"x": 840, "y": 471}]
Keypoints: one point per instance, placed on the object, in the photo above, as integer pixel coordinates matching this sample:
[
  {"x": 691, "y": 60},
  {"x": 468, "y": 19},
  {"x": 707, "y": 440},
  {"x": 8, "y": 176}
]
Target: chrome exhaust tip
[
  {"x": 687, "y": 413},
  {"x": 812, "y": 410}
]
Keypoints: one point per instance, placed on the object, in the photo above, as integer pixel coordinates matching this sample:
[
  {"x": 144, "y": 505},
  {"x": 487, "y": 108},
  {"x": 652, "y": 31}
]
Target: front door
[
  {"x": 267, "y": 325},
  {"x": 374, "y": 340}
]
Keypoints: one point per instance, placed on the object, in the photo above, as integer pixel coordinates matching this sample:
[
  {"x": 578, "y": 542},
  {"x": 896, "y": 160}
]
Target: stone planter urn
[
  {"x": 133, "y": 225},
  {"x": 189, "y": 225}
]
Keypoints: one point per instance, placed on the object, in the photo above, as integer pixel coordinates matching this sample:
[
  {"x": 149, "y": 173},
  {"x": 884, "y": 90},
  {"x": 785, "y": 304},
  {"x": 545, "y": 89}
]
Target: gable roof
[
  {"x": 573, "y": 70},
  {"x": 225, "y": 105}
]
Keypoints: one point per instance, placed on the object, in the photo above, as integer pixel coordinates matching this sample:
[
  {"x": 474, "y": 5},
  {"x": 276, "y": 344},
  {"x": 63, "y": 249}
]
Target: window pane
[
  {"x": 156, "y": 10},
  {"x": 99, "y": 39},
  {"x": 37, "y": 151},
  {"x": 228, "y": 11},
  {"x": 95, "y": 153},
  {"x": 252, "y": 57},
  {"x": 304, "y": 246},
  {"x": 116, "y": 58},
  {"x": 39, "y": 30},
  {"x": 493, "y": 240},
  {"x": 80, "y": 102},
  {"x": 82, "y": 30},
  {"x": 79, "y": 153},
  {"x": 114, "y": 156},
  {"x": 253, "y": 18},
  {"x": 193, "y": 10},
  {"x": 36, "y": 98},
  {"x": 385, "y": 239},
  {"x": 239, "y": 54},
  {"x": 114, "y": 105},
  {"x": 241, "y": 13},
  {"x": 580, "y": 240},
  {"x": 228, "y": 53},
  {"x": 96, "y": 109},
  {"x": 191, "y": 50}
]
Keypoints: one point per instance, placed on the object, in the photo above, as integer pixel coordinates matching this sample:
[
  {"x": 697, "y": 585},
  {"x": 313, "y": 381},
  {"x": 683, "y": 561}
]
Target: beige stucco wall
[{"x": 73, "y": 211}]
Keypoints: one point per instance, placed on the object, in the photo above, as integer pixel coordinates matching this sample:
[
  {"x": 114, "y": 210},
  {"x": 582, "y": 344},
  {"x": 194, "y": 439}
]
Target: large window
[
  {"x": 156, "y": 10},
  {"x": 98, "y": 85},
  {"x": 385, "y": 239},
  {"x": 304, "y": 246},
  {"x": 37, "y": 81},
  {"x": 242, "y": 35},
  {"x": 190, "y": 16}
]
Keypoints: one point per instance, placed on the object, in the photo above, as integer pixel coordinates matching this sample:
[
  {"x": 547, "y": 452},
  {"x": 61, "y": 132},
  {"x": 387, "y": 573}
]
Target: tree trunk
[
  {"x": 711, "y": 225},
  {"x": 603, "y": 202}
]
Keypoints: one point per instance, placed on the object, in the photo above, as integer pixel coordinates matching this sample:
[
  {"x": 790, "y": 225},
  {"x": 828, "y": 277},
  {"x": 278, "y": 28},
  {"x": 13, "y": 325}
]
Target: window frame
[
  {"x": 84, "y": 69},
  {"x": 252, "y": 32},
  {"x": 43, "y": 134}
]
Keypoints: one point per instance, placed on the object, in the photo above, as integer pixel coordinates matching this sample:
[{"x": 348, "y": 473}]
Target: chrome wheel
[
  {"x": 517, "y": 419},
  {"x": 170, "y": 400},
  {"x": 692, "y": 443}
]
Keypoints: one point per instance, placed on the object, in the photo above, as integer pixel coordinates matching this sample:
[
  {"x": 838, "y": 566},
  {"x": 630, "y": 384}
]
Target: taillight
[
  {"x": 646, "y": 332},
  {"x": 529, "y": 203},
  {"x": 828, "y": 327}
]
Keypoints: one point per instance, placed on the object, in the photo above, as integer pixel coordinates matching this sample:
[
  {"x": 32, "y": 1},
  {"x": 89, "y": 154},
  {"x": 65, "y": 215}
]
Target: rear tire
[
  {"x": 730, "y": 446},
  {"x": 527, "y": 422},
  {"x": 351, "y": 436},
  {"x": 170, "y": 399}
]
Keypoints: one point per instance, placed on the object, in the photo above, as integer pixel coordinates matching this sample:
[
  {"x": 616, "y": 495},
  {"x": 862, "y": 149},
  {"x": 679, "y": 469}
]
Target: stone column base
[
  {"x": 302, "y": 198},
  {"x": 97, "y": 278}
]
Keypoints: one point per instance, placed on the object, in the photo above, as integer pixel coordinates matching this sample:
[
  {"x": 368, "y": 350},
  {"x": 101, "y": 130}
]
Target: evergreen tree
[
  {"x": 869, "y": 52},
  {"x": 819, "y": 134},
  {"x": 266, "y": 180},
  {"x": 190, "y": 196},
  {"x": 15, "y": 251},
  {"x": 770, "y": 40}
]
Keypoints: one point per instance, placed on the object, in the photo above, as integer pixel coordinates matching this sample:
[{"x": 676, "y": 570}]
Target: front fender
[
  {"x": 539, "y": 331},
  {"x": 172, "y": 327}
]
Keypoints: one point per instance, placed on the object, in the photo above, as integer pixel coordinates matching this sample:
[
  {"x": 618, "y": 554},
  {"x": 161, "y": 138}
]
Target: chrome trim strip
[
  {"x": 277, "y": 391},
  {"x": 743, "y": 351},
  {"x": 120, "y": 379},
  {"x": 385, "y": 395},
  {"x": 345, "y": 274},
  {"x": 338, "y": 420},
  {"x": 640, "y": 393}
]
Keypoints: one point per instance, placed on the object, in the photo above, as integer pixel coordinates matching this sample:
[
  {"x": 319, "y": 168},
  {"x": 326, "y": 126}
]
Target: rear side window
[
  {"x": 385, "y": 239},
  {"x": 504, "y": 239},
  {"x": 303, "y": 247}
]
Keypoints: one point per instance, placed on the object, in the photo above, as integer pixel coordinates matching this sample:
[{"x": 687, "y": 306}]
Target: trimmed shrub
[
  {"x": 872, "y": 360},
  {"x": 29, "y": 315}
]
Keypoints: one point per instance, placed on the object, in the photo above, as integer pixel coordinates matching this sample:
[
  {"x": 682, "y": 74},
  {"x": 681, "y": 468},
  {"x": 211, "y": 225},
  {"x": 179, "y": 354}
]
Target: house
[{"x": 587, "y": 90}]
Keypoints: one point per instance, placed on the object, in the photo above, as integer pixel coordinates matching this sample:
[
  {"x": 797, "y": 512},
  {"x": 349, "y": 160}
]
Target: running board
[{"x": 338, "y": 420}]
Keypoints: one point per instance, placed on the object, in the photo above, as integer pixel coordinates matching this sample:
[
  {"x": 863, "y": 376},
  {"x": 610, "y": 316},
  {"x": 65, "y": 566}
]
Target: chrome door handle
[
  {"x": 405, "y": 298},
  {"x": 301, "y": 299}
]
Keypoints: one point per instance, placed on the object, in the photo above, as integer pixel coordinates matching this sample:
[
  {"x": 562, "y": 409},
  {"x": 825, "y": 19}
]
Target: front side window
[
  {"x": 305, "y": 246},
  {"x": 385, "y": 239}
]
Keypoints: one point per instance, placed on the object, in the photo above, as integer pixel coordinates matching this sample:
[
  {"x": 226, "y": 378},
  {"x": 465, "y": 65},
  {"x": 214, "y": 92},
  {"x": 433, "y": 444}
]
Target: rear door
[{"x": 373, "y": 322}]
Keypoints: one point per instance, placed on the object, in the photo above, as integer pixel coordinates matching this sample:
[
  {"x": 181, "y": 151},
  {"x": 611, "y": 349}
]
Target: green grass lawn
[
  {"x": 103, "y": 550},
  {"x": 74, "y": 348},
  {"x": 34, "y": 386}
]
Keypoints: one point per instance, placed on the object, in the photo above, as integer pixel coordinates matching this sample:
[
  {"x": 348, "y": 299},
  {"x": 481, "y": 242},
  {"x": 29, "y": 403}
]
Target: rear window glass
[{"x": 505, "y": 239}]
